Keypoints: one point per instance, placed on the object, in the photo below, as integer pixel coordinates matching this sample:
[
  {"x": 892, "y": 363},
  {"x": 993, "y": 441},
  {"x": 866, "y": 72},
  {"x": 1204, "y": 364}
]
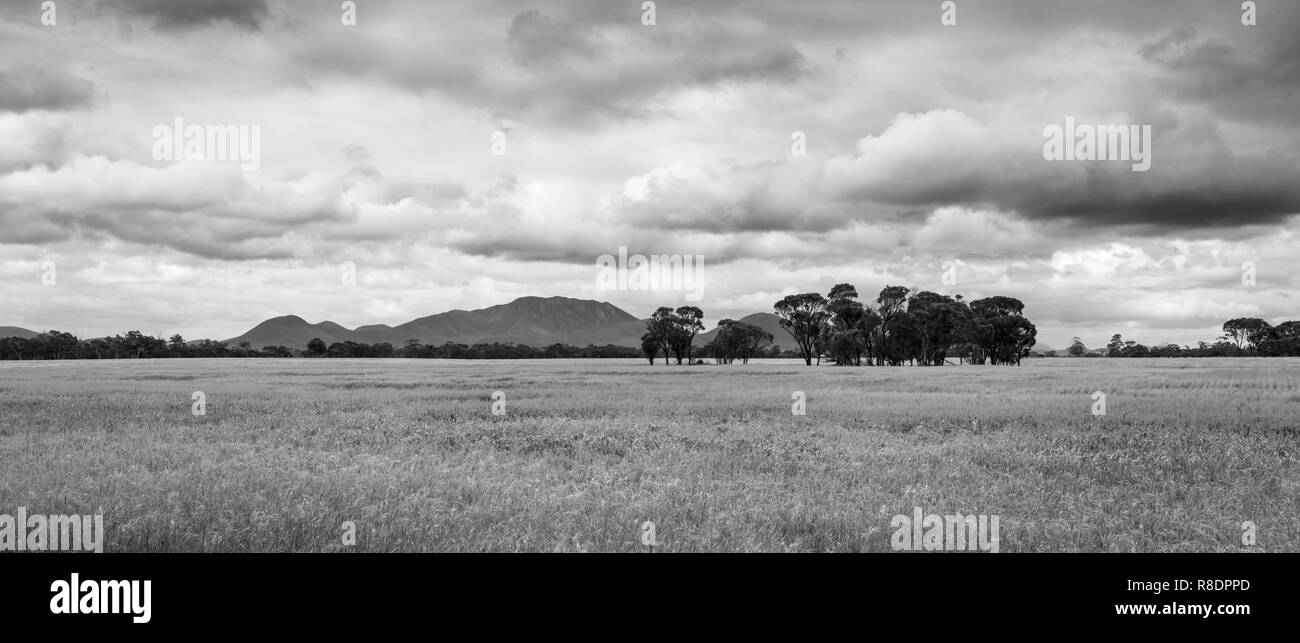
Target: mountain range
[{"x": 535, "y": 321}]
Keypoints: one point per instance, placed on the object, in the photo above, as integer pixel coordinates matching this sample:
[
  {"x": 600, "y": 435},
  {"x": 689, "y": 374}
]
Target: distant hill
[
  {"x": 535, "y": 321},
  {"x": 1043, "y": 349},
  {"x": 294, "y": 332},
  {"x": 14, "y": 331},
  {"x": 529, "y": 320},
  {"x": 767, "y": 321}
]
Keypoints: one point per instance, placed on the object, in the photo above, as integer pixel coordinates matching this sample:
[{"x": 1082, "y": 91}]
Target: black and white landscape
[{"x": 575, "y": 276}]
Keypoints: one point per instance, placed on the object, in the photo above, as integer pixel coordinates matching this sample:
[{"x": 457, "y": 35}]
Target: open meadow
[{"x": 587, "y": 450}]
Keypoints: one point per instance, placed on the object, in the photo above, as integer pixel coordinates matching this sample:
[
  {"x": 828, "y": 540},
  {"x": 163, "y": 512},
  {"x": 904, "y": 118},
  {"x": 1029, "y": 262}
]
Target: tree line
[
  {"x": 1242, "y": 337},
  {"x": 413, "y": 349},
  {"x": 902, "y": 325},
  {"x": 134, "y": 344},
  {"x": 56, "y": 344}
]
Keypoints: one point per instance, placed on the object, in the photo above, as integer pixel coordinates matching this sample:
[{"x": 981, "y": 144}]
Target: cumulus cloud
[
  {"x": 31, "y": 139},
  {"x": 962, "y": 230}
]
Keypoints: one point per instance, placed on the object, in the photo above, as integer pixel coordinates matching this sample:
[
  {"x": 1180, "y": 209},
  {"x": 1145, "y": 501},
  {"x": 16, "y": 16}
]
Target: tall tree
[
  {"x": 689, "y": 323},
  {"x": 1077, "y": 348},
  {"x": 896, "y": 328},
  {"x": 662, "y": 326},
  {"x": 1116, "y": 346},
  {"x": 1003, "y": 334},
  {"x": 650, "y": 347},
  {"x": 1246, "y": 332},
  {"x": 846, "y": 341},
  {"x": 804, "y": 317}
]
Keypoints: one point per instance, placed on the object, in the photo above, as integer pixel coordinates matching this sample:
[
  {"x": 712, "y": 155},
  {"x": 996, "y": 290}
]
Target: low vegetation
[{"x": 585, "y": 452}]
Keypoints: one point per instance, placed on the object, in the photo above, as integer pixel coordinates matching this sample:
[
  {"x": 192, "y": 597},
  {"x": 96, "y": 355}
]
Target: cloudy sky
[{"x": 924, "y": 145}]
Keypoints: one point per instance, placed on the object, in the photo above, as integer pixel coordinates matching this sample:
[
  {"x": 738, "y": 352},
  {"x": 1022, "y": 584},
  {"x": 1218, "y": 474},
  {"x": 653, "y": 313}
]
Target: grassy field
[{"x": 410, "y": 452}]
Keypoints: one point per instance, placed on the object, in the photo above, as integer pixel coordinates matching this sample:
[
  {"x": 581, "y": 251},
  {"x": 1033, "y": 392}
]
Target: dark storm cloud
[
  {"x": 190, "y": 232},
  {"x": 565, "y": 68},
  {"x": 18, "y": 227},
  {"x": 1196, "y": 179},
  {"x": 536, "y": 40},
  {"x": 1252, "y": 75},
  {"x": 33, "y": 88},
  {"x": 177, "y": 15},
  {"x": 194, "y": 234},
  {"x": 179, "y": 233},
  {"x": 1235, "y": 194},
  {"x": 1161, "y": 202},
  {"x": 529, "y": 249},
  {"x": 211, "y": 213},
  {"x": 835, "y": 19}
]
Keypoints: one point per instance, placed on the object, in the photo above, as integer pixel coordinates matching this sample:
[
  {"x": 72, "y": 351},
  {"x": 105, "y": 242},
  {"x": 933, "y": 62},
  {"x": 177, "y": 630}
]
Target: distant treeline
[
  {"x": 449, "y": 350},
  {"x": 902, "y": 326},
  {"x": 134, "y": 345},
  {"x": 1242, "y": 337}
]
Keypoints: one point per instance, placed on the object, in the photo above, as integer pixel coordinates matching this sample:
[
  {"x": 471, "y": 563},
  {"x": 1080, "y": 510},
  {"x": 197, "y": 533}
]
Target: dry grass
[{"x": 588, "y": 450}]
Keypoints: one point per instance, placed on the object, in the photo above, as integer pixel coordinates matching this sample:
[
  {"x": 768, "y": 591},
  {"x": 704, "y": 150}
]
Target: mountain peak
[
  {"x": 531, "y": 320},
  {"x": 286, "y": 318}
]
